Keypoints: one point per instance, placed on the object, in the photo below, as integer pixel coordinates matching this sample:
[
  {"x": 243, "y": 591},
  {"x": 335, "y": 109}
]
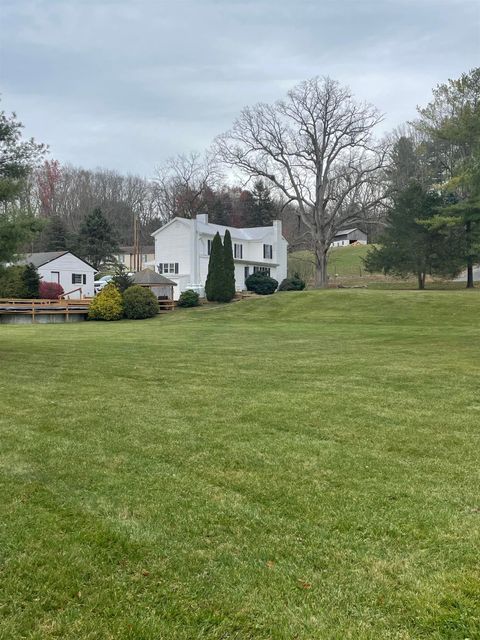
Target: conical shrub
[
  {"x": 214, "y": 282},
  {"x": 228, "y": 285}
]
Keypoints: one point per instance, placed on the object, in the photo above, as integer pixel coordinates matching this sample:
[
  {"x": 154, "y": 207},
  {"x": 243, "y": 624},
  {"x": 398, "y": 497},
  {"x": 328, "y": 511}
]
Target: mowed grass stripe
[{"x": 302, "y": 466}]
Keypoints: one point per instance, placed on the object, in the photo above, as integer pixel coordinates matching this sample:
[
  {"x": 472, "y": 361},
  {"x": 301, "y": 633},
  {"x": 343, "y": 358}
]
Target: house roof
[
  {"x": 245, "y": 233},
  {"x": 41, "y": 258},
  {"x": 150, "y": 277}
]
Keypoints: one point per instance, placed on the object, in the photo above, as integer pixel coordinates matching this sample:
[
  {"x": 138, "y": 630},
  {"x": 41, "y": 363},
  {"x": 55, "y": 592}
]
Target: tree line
[
  {"x": 432, "y": 224},
  {"x": 312, "y": 159}
]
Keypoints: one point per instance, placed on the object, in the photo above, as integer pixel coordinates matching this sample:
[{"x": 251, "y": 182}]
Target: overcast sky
[{"x": 124, "y": 84}]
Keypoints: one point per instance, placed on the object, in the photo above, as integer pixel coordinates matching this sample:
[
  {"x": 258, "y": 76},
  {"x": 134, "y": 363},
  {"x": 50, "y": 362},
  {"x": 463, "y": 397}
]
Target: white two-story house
[{"x": 182, "y": 251}]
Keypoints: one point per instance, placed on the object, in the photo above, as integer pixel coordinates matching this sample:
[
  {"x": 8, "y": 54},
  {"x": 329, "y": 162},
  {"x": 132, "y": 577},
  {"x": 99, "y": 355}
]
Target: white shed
[
  {"x": 74, "y": 274},
  {"x": 345, "y": 237}
]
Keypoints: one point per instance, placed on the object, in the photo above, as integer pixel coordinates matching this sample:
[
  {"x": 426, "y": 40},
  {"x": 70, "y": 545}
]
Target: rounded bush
[
  {"x": 189, "y": 298},
  {"x": 295, "y": 283},
  {"x": 139, "y": 303},
  {"x": 107, "y": 305},
  {"x": 261, "y": 284},
  {"x": 50, "y": 290}
]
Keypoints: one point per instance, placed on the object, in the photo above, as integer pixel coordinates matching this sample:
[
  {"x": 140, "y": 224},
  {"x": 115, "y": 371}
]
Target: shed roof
[
  {"x": 38, "y": 259},
  {"x": 44, "y": 257},
  {"x": 150, "y": 277},
  {"x": 345, "y": 232}
]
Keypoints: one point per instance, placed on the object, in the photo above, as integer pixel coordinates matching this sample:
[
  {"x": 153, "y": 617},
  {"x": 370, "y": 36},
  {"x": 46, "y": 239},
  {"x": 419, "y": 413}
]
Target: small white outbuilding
[
  {"x": 74, "y": 274},
  {"x": 346, "y": 237}
]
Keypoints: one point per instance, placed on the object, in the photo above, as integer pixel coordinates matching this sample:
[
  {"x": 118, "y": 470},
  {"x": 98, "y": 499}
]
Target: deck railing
[{"x": 41, "y": 306}]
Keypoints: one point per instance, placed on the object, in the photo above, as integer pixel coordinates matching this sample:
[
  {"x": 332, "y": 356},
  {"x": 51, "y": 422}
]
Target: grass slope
[
  {"x": 345, "y": 267},
  {"x": 304, "y": 466},
  {"x": 342, "y": 262}
]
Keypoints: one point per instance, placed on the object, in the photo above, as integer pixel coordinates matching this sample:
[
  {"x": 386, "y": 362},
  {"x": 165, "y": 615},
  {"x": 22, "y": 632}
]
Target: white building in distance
[
  {"x": 182, "y": 251},
  {"x": 344, "y": 237}
]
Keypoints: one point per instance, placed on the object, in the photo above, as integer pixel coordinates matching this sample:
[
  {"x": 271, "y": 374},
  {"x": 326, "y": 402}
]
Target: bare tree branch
[{"x": 316, "y": 148}]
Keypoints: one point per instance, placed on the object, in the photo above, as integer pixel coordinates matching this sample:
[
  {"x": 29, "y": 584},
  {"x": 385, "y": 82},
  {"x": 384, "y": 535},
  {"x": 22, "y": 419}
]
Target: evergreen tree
[
  {"x": 54, "y": 236},
  {"x": 246, "y": 209},
  {"x": 97, "y": 242},
  {"x": 411, "y": 244},
  {"x": 121, "y": 279},
  {"x": 264, "y": 208},
  {"x": 31, "y": 281},
  {"x": 215, "y": 277},
  {"x": 404, "y": 165},
  {"x": 17, "y": 159},
  {"x": 228, "y": 288},
  {"x": 452, "y": 124}
]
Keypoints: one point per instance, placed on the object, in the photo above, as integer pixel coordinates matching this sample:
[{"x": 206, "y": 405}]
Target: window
[
  {"x": 267, "y": 251},
  {"x": 209, "y": 247},
  {"x": 238, "y": 251},
  {"x": 55, "y": 276},
  {"x": 264, "y": 270},
  {"x": 78, "y": 278},
  {"x": 168, "y": 267},
  {"x": 247, "y": 272}
]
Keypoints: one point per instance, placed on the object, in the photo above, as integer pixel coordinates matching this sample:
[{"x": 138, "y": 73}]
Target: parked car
[{"x": 101, "y": 282}]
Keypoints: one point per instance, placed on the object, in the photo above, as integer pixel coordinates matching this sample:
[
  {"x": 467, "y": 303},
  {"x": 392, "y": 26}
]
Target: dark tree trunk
[
  {"x": 470, "y": 284},
  {"x": 468, "y": 230},
  {"x": 321, "y": 277},
  {"x": 421, "y": 280}
]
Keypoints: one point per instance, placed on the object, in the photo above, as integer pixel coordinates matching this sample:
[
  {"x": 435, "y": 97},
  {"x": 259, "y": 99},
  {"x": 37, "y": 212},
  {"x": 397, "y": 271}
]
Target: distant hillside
[
  {"x": 343, "y": 262},
  {"x": 345, "y": 267}
]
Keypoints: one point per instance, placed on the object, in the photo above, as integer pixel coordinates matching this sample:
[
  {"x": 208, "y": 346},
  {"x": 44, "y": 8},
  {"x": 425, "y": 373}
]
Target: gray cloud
[{"x": 126, "y": 84}]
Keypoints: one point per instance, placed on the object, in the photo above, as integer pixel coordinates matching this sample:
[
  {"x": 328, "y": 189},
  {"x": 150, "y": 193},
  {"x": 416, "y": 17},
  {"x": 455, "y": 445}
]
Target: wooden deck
[
  {"x": 43, "y": 307},
  {"x": 37, "y": 307}
]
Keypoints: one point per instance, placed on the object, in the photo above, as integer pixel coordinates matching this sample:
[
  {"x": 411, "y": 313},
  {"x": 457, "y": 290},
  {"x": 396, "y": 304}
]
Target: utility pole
[{"x": 136, "y": 244}]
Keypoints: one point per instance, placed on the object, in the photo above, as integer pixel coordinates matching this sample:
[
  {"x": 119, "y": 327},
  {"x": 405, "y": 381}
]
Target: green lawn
[
  {"x": 343, "y": 262},
  {"x": 304, "y": 466},
  {"x": 346, "y": 268}
]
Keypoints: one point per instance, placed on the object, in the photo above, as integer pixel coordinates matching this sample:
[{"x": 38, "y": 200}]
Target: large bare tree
[
  {"x": 316, "y": 147},
  {"x": 182, "y": 181}
]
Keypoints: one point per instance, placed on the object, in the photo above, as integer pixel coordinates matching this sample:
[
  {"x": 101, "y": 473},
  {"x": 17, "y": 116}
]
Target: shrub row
[
  {"x": 265, "y": 285},
  {"x": 136, "y": 303}
]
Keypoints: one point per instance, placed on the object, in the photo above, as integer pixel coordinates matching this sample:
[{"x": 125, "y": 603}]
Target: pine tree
[
  {"x": 228, "y": 285},
  {"x": 451, "y": 122},
  {"x": 54, "y": 236},
  {"x": 245, "y": 209},
  {"x": 31, "y": 281},
  {"x": 264, "y": 210},
  {"x": 96, "y": 241},
  {"x": 215, "y": 277},
  {"x": 18, "y": 157},
  {"x": 121, "y": 279},
  {"x": 411, "y": 243}
]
